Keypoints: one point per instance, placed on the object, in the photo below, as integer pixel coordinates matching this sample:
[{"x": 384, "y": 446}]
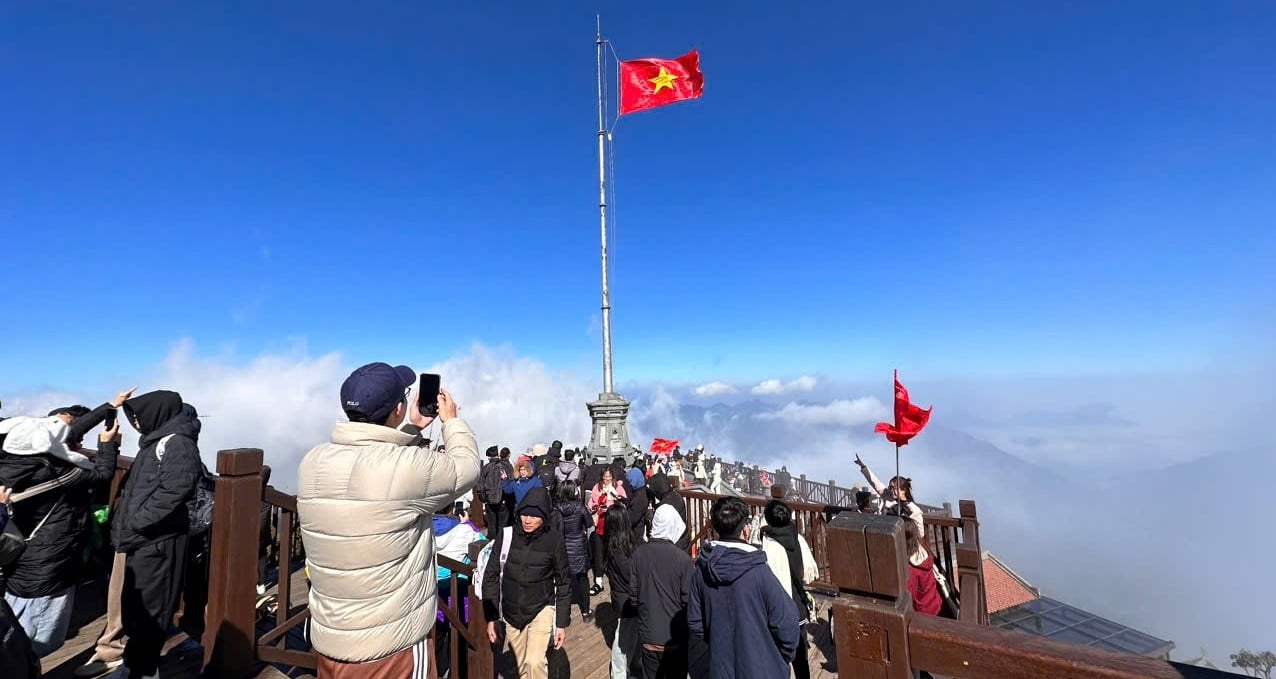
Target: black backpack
[
  {"x": 491, "y": 485},
  {"x": 547, "y": 476}
]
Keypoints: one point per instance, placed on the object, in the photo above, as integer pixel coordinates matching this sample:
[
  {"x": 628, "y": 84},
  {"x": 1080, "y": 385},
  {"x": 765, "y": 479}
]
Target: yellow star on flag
[{"x": 665, "y": 79}]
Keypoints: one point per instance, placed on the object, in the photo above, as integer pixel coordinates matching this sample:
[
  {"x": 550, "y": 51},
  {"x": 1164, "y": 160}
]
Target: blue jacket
[
  {"x": 743, "y": 613},
  {"x": 519, "y": 487}
]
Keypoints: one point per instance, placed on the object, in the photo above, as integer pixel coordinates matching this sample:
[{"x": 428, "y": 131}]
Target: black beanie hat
[{"x": 493, "y": 451}]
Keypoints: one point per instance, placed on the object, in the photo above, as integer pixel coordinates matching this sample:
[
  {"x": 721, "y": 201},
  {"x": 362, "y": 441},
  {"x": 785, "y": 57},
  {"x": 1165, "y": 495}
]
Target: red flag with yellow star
[{"x": 648, "y": 83}]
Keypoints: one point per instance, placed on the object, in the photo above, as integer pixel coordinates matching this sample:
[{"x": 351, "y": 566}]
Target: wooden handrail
[
  {"x": 877, "y": 632},
  {"x": 949, "y": 539},
  {"x": 953, "y": 648}
]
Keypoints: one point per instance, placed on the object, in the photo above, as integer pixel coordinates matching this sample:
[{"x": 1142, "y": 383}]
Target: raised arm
[{"x": 873, "y": 481}]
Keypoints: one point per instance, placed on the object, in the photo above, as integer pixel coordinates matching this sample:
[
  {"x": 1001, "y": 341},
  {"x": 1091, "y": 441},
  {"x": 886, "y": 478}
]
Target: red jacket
[{"x": 922, "y": 585}]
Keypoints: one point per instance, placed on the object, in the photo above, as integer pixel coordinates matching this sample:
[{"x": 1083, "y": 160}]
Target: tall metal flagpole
[
  {"x": 602, "y": 211},
  {"x": 609, "y": 435}
]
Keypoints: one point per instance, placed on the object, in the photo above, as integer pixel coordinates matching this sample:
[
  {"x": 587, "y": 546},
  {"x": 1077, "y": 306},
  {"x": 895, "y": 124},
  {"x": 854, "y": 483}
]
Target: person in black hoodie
[
  {"x": 531, "y": 591},
  {"x": 662, "y": 493},
  {"x": 736, "y": 603},
  {"x": 40, "y": 585},
  {"x": 150, "y": 524},
  {"x": 661, "y": 575},
  {"x": 575, "y": 524}
]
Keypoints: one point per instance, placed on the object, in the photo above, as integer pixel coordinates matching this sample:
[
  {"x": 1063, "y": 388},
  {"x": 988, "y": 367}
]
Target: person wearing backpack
[
  {"x": 491, "y": 488},
  {"x": 528, "y": 586},
  {"x": 53, "y": 488},
  {"x": 151, "y": 523}
]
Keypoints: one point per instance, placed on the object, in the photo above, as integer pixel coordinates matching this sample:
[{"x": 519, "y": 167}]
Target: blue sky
[{"x": 952, "y": 189}]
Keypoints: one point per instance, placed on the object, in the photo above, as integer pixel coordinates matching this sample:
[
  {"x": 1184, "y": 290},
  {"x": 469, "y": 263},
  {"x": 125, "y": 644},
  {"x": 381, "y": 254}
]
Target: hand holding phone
[{"x": 427, "y": 396}]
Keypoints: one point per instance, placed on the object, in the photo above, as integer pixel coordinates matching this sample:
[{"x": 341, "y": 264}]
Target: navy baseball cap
[{"x": 373, "y": 391}]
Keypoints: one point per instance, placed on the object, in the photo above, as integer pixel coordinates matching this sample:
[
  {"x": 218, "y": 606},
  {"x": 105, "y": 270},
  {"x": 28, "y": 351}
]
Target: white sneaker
[
  {"x": 261, "y": 589},
  {"x": 95, "y": 668}
]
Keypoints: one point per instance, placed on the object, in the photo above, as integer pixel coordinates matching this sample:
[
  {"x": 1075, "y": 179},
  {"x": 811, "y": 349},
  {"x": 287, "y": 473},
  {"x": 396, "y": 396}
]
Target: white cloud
[
  {"x": 842, "y": 413},
  {"x": 715, "y": 388},
  {"x": 772, "y": 387},
  {"x": 287, "y": 402}
]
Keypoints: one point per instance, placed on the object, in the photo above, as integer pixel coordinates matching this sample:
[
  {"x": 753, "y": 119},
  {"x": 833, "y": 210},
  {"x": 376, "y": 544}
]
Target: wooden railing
[
  {"x": 877, "y": 634},
  {"x": 272, "y": 645},
  {"x": 954, "y": 541},
  {"x": 232, "y": 645}
]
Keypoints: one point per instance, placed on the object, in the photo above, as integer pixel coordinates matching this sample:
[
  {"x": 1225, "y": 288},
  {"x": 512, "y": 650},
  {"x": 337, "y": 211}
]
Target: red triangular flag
[{"x": 909, "y": 419}]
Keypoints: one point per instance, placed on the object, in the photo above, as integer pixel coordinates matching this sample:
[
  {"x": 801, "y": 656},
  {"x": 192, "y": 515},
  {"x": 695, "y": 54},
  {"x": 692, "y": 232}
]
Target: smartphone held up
[{"x": 427, "y": 395}]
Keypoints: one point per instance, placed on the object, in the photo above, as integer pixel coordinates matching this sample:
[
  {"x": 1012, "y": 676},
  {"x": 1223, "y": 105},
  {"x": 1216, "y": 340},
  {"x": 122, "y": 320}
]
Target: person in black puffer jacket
[
  {"x": 574, "y": 523},
  {"x": 620, "y": 575},
  {"x": 40, "y": 585},
  {"x": 639, "y": 504},
  {"x": 662, "y": 493},
  {"x": 151, "y": 522},
  {"x": 531, "y": 593}
]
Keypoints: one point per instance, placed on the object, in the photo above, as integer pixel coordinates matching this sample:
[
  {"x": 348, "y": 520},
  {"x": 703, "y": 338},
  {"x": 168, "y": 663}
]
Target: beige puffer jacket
[{"x": 365, "y": 502}]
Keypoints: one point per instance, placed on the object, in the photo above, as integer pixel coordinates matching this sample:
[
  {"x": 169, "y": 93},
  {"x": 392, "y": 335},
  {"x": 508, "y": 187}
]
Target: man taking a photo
[{"x": 366, "y": 500}]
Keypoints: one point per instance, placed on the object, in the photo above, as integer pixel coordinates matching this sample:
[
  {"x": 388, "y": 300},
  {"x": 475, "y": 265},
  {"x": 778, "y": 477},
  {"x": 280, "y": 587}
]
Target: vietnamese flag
[
  {"x": 909, "y": 419},
  {"x": 663, "y": 446},
  {"x": 648, "y": 83}
]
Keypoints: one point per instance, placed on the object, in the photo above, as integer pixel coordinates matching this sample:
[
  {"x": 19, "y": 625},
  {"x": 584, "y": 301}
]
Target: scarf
[{"x": 787, "y": 537}]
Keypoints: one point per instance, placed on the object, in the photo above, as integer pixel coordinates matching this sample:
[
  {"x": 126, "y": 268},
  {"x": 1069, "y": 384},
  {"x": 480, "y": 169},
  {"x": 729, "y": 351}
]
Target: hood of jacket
[
  {"x": 785, "y": 535},
  {"x": 444, "y": 524},
  {"x": 189, "y": 411},
  {"x": 635, "y": 478},
  {"x": 666, "y": 524},
  {"x": 722, "y": 563},
  {"x": 40, "y": 436},
  {"x": 152, "y": 411},
  {"x": 568, "y": 467},
  {"x": 537, "y": 497}
]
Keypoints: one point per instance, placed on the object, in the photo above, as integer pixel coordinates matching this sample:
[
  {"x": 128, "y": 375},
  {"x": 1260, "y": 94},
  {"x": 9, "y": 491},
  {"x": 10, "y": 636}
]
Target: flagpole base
[{"x": 609, "y": 437}]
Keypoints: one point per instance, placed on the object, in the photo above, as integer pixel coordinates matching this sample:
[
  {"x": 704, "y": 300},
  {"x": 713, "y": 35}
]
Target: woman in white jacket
[
  {"x": 789, "y": 557},
  {"x": 900, "y": 487}
]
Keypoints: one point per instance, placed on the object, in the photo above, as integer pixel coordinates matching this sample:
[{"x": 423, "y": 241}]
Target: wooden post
[
  {"x": 867, "y": 563},
  {"x": 802, "y": 488},
  {"x": 833, "y": 500},
  {"x": 777, "y": 492},
  {"x": 483, "y": 657},
  {"x": 970, "y": 565},
  {"x": 230, "y": 639}
]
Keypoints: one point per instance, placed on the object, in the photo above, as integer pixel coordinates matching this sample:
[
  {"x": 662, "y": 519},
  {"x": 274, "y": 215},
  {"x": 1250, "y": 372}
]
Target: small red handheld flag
[
  {"x": 663, "y": 446},
  {"x": 648, "y": 83},
  {"x": 909, "y": 419}
]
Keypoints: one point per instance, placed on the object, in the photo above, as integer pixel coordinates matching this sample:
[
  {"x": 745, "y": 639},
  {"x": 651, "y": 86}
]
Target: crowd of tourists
[{"x": 377, "y": 504}]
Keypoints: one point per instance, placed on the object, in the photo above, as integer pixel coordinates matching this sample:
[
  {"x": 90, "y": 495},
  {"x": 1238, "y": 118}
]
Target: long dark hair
[
  {"x": 620, "y": 540},
  {"x": 905, "y": 485},
  {"x": 567, "y": 492}
]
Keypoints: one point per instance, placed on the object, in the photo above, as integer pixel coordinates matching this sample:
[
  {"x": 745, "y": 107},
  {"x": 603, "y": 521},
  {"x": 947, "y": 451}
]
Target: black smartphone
[
  {"x": 110, "y": 418},
  {"x": 427, "y": 395}
]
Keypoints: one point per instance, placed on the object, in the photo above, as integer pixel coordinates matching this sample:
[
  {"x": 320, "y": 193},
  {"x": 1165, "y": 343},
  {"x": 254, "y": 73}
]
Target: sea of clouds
[{"x": 1140, "y": 498}]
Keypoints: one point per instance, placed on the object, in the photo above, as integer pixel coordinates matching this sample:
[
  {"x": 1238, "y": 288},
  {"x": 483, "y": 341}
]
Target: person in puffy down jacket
[{"x": 574, "y": 522}]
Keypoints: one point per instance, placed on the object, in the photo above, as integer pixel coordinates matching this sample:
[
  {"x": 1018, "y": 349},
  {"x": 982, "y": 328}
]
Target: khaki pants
[
  {"x": 530, "y": 644},
  {"x": 110, "y": 645}
]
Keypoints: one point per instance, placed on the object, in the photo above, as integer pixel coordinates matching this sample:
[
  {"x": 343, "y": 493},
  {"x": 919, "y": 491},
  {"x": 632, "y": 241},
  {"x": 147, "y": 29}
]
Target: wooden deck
[{"x": 588, "y": 646}]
